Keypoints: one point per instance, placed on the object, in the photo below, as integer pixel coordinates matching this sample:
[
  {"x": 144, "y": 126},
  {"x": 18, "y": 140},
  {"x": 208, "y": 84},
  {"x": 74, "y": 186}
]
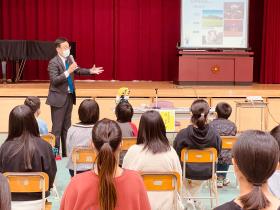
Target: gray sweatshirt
[{"x": 78, "y": 135}]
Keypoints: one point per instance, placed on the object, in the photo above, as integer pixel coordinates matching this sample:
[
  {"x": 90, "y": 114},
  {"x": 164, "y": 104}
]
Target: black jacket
[
  {"x": 194, "y": 138},
  {"x": 43, "y": 161}
]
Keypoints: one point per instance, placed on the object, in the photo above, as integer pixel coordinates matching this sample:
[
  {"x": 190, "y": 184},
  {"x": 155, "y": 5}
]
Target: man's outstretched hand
[{"x": 96, "y": 70}]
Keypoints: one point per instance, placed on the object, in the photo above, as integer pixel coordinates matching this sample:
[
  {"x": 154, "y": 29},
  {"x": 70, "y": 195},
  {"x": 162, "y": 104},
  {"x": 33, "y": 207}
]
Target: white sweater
[{"x": 143, "y": 160}]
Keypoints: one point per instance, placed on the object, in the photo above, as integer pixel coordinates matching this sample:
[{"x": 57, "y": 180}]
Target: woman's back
[
  {"x": 140, "y": 159},
  {"x": 195, "y": 138},
  {"x": 42, "y": 161},
  {"x": 82, "y": 192}
]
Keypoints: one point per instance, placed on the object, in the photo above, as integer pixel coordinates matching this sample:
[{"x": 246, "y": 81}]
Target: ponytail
[
  {"x": 255, "y": 199},
  {"x": 200, "y": 110},
  {"x": 106, "y": 166},
  {"x": 256, "y": 155},
  {"x": 106, "y": 137},
  {"x": 201, "y": 121}
]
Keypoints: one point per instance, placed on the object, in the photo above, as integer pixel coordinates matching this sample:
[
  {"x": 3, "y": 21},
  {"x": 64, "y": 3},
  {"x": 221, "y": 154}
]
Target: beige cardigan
[{"x": 143, "y": 160}]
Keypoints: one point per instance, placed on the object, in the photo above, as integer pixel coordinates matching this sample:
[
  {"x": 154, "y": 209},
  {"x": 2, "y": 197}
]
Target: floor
[{"x": 63, "y": 178}]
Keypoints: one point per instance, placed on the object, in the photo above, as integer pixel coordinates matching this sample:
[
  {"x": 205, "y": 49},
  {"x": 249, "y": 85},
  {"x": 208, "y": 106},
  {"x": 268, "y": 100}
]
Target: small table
[
  {"x": 249, "y": 105},
  {"x": 181, "y": 113}
]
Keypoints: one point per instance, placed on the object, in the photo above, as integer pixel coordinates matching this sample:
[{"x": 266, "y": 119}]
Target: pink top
[{"x": 82, "y": 192}]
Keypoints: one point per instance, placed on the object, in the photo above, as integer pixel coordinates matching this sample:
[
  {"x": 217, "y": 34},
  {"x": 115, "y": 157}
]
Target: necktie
[{"x": 69, "y": 79}]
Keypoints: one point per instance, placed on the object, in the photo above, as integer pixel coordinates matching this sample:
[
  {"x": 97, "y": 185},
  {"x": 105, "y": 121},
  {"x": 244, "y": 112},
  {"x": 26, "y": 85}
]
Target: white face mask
[{"x": 66, "y": 53}]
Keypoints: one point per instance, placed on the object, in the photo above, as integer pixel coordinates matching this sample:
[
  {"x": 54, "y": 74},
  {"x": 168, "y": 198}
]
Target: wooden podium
[{"x": 224, "y": 68}]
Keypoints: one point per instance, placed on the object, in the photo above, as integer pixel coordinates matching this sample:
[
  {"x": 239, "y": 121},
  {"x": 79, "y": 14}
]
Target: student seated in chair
[
  {"x": 79, "y": 134},
  {"x": 107, "y": 186},
  {"x": 25, "y": 151},
  {"x": 225, "y": 127},
  {"x": 274, "y": 180},
  {"x": 34, "y": 104},
  {"x": 124, "y": 114},
  {"x": 198, "y": 135},
  {"x": 255, "y": 158},
  {"x": 152, "y": 153}
]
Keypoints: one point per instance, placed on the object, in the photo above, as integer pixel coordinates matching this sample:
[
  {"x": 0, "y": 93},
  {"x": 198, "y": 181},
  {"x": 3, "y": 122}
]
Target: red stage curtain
[
  {"x": 270, "y": 68},
  {"x": 255, "y": 34},
  {"x": 131, "y": 39}
]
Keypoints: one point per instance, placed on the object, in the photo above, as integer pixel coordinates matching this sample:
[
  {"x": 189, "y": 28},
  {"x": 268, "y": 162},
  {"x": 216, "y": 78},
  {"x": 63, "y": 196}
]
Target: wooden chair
[
  {"x": 30, "y": 182},
  {"x": 50, "y": 138},
  {"x": 227, "y": 144},
  {"x": 165, "y": 181},
  {"x": 207, "y": 155},
  {"x": 127, "y": 142},
  {"x": 82, "y": 155}
]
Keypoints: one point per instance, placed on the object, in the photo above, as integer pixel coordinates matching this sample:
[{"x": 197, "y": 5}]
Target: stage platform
[
  {"x": 143, "y": 93},
  {"x": 143, "y": 89}
]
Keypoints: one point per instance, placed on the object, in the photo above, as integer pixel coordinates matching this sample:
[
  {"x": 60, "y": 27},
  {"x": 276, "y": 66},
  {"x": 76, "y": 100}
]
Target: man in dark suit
[{"x": 62, "y": 93}]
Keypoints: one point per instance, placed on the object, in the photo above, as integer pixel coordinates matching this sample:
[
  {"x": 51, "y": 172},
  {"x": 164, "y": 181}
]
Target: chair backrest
[
  {"x": 83, "y": 155},
  {"x": 50, "y": 138},
  {"x": 228, "y": 142},
  {"x": 207, "y": 155},
  {"x": 165, "y": 181},
  {"x": 127, "y": 142},
  {"x": 28, "y": 182}
]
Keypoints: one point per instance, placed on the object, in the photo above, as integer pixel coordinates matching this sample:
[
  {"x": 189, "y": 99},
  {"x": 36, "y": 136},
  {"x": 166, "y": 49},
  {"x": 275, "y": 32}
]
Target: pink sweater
[{"x": 82, "y": 192}]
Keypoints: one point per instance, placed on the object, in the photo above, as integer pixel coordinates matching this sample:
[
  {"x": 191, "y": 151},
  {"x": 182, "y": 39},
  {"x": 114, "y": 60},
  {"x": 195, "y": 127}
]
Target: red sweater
[{"x": 82, "y": 192}]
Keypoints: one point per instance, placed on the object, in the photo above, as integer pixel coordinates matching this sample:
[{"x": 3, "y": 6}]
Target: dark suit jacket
[{"x": 58, "y": 89}]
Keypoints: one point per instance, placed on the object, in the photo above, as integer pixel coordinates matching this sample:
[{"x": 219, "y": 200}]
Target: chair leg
[
  {"x": 215, "y": 190},
  {"x": 210, "y": 192},
  {"x": 216, "y": 194},
  {"x": 56, "y": 192}
]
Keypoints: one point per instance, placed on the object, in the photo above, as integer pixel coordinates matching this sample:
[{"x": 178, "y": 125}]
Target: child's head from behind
[
  {"x": 124, "y": 112},
  {"x": 275, "y": 132},
  {"x": 152, "y": 132},
  {"x": 255, "y": 158},
  {"x": 200, "y": 110},
  {"x": 88, "y": 111},
  {"x": 223, "y": 110}
]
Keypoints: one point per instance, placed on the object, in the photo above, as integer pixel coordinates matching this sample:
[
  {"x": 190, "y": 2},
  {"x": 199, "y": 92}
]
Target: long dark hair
[
  {"x": 152, "y": 132},
  {"x": 23, "y": 128},
  {"x": 200, "y": 110},
  {"x": 256, "y": 155},
  {"x": 106, "y": 137},
  {"x": 5, "y": 194}
]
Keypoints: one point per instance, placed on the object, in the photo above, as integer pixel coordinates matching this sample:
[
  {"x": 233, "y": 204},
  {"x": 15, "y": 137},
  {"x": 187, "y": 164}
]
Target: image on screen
[{"x": 214, "y": 24}]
